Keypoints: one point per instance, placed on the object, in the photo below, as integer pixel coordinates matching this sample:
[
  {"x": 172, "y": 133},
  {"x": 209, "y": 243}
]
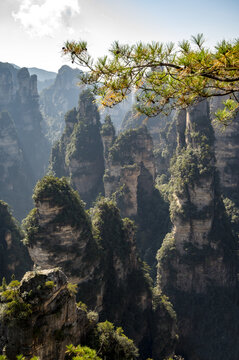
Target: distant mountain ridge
[
  {"x": 45, "y": 78},
  {"x": 42, "y": 74}
]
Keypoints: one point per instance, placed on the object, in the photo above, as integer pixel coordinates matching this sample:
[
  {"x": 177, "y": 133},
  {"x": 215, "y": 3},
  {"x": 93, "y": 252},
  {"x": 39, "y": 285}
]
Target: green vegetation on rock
[
  {"x": 58, "y": 193},
  {"x": 107, "y": 128},
  {"x": 108, "y": 228},
  {"x": 12, "y": 305},
  {"x": 79, "y": 153},
  {"x": 123, "y": 147}
]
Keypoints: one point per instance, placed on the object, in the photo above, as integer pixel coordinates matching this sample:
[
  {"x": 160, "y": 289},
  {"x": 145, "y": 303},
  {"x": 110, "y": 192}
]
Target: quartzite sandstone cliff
[
  {"x": 24, "y": 150},
  {"x": 79, "y": 152},
  {"x": 46, "y": 320},
  {"x": 100, "y": 256},
  {"x": 197, "y": 261}
]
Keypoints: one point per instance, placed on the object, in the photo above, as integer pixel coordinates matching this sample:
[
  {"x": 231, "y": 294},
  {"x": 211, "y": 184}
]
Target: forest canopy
[{"x": 163, "y": 76}]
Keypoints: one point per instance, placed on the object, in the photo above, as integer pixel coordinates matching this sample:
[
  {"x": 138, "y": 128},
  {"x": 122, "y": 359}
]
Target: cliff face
[
  {"x": 79, "y": 152},
  {"x": 46, "y": 320},
  {"x": 98, "y": 255},
  {"x": 24, "y": 109},
  {"x": 129, "y": 180},
  {"x": 127, "y": 287},
  {"x": 44, "y": 78},
  {"x": 59, "y": 98},
  {"x": 120, "y": 268},
  {"x": 16, "y": 176},
  {"x": 162, "y": 129},
  {"x": 29, "y": 124},
  {"x": 21, "y": 140},
  {"x": 194, "y": 202},
  {"x": 8, "y": 81},
  {"x": 14, "y": 257},
  {"x": 129, "y": 158},
  {"x": 108, "y": 137},
  {"x": 197, "y": 260},
  {"x": 59, "y": 231},
  {"x": 227, "y": 152}
]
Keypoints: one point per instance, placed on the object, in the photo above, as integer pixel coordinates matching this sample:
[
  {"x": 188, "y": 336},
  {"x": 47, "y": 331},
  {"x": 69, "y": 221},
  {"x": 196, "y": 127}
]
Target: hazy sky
[{"x": 32, "y": 32}]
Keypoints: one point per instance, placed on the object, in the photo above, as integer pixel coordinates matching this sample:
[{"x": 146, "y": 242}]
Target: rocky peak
[
  {"x": 46, "y": 319},
  {"x": 87, "y": 110},
  {"x": 6, "y": 84},
  {"x": 29, "y": 149},
  {"x": 59, "y": 231},
  {"x": 97, "y": 253},
  {"x": 27, "y": 86},
  {"x": 108, "y": 137},
  {"x": 66, "y": 77},
  {"x": 130, "y": 159},
  {"x": 16, "y": 177},
  {"x": 129, "y": 180},
  {"x": 58, "y": 99},
  {"x": 195, "y": 204},
  {"x": 79, "y": 152},
  {"x": 196, "y": 261}
]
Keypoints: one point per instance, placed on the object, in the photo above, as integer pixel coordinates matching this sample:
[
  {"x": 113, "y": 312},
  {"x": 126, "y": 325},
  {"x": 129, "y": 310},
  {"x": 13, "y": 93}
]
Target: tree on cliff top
[{"x": 165, "y": 76}]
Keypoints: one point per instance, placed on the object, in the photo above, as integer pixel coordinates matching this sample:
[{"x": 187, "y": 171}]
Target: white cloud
[{"x": 46, "y": 17}]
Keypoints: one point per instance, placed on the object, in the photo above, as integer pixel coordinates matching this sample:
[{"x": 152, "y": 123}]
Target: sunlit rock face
[
  {"x": 62, "y": 245},
  {"x": 162, "y": 129},
  {"x": 52, "y": 319},
  {"x": 62, "y": 235}
]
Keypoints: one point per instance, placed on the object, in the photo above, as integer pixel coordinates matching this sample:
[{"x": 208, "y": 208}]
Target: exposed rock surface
[
  {"x": 14, "y": 257},
  {"x": 49, "y": 321},
  {"x": 22, "y": 138},
  {"x": 197, "y": 261},
  {"x": 27, "y": 118},
  {"x": 44, "y": 78},
  {"x": 79, "y": 152},
  {"x": 129, "y": 180},
  {"x": 108, "y": 138},
  {"x": 8, "y": 81},
  {"x": 59, "y": 98},
  {"x": 100, "y": 256},
  {"x": 130, "y": 157},
  {"x": 163, "y": 132},
  {"x": 16, "y": 178},
  {"x": 59, "y": 231}
]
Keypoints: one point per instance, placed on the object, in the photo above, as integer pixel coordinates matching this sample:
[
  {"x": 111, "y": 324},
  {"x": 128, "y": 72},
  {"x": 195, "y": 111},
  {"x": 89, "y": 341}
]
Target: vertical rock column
[{"x": 197, "y": 260}]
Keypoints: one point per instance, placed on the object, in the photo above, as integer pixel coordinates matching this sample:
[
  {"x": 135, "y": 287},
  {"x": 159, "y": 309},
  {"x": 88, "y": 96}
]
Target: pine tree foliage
[{"x": 164, "y": 76}]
